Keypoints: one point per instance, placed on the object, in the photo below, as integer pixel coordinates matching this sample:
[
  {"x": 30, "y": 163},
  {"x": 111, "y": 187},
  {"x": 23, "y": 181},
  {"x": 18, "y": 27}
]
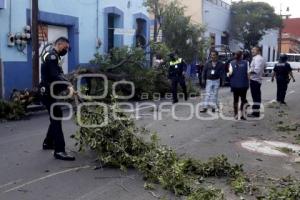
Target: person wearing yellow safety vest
[
  {"x": 51, "y": 72},
  {"x": 177, "y": 70}
]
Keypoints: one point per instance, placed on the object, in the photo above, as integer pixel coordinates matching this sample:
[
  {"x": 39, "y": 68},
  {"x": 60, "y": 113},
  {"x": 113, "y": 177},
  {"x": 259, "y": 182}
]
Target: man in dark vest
[
  {"x": 177, "y": 70},
  {"x": 239, "y": 82}
]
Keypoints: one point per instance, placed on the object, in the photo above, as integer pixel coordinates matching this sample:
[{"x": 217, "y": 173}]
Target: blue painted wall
[
  {"x": 130, "y": 9},
  {"x": 2, "y": 4},
  {"x": 80, "y": 17}
]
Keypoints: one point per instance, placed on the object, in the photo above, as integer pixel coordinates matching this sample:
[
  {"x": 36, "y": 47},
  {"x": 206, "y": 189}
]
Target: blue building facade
[{"x": 90, "y": 25}]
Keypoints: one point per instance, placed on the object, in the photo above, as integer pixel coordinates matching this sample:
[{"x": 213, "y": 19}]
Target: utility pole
[
  {"x": 280, "y": 29},
  {"x": 155, "y": 20},
  {"x": 35, "y": 43},
  {"x": 280, "y": 39}
]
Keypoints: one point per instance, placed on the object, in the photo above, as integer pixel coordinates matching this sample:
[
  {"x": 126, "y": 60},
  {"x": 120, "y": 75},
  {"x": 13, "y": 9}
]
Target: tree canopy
[
  {"x": 179, "y": 33},
  {"x": 251, "y": 20}
]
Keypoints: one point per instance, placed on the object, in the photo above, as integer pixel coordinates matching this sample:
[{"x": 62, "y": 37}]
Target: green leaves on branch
[
  {"x": 207, "y": 194},
  {"x": 160, "y": 48},
  {"x": 178, "y": 32},
  {"x": 11, "y": 110},
  {"x": 286, "y": 188},
  {"x": 128, "y": 64},
  {"x": 120, "y": 57},
  {"x": 251, "y": 20}
]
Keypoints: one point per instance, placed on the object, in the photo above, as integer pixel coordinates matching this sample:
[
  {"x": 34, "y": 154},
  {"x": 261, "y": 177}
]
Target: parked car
[{"x": 269, "y": 68}]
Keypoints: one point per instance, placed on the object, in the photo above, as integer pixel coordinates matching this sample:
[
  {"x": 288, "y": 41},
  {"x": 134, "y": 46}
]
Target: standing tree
[
  {"x": 156, "y": 8},
  {"x": 251, "y": 20},
  {"x": 180, "y": 34},
  {"x": 177, "y": 30}
]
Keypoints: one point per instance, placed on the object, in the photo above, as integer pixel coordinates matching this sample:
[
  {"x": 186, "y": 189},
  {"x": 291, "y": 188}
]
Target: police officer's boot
[{"x": 63, "y": 156}]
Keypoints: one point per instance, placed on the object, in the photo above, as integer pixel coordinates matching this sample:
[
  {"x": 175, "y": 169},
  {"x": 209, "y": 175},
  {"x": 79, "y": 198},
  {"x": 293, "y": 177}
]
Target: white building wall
[
  {"x": 270, "y": 41},
  {"x": 216, "y": 18}
]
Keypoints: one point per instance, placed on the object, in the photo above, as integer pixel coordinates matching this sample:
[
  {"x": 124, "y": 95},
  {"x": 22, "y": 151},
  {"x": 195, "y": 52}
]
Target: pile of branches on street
[
  {"x": 16, "y": 107},
  {"x": 121, "y": 144},
  {"x": 11, "y": 110},
  {"x": 24, "y": 97}
]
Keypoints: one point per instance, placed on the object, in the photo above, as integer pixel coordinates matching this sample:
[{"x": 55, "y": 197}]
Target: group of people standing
[{"x": 242, "y": 75}]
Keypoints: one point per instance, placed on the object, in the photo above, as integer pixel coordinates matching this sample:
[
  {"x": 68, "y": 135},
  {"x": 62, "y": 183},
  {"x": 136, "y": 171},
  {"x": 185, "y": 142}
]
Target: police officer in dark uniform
[
  {"x": 177, "y": 69},
  {"x": 51, "y": 71},
  {"x": 282, "y": 72}
]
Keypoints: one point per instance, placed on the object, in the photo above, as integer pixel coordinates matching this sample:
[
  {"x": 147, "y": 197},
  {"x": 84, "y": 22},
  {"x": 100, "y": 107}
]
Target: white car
[{"x": 269, "y": 68}]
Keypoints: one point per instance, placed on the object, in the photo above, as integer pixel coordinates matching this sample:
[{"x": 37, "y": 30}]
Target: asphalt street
[{"x": 29, "y": 173}]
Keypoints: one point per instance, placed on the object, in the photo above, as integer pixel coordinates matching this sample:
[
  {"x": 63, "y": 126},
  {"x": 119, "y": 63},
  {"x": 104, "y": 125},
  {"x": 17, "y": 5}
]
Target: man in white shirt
[{"x": 256, "y": 72}]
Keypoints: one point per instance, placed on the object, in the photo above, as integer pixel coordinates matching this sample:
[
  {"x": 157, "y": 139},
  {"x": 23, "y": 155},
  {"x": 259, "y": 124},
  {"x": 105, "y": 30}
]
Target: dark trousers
[
  {"x": 55, "y": 134},
  {"x": 200, "y": 81},
  {"x": 240, "y": 93},
  {"x": 181, "y": 81},
  {"x": 256, "y": 96},
  {"x": 282, "y": 86}
]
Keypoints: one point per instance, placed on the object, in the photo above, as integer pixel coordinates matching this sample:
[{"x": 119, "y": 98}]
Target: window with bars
[
  {"x": 141, "y": 31},
  {"x": 113, "y": 23}
]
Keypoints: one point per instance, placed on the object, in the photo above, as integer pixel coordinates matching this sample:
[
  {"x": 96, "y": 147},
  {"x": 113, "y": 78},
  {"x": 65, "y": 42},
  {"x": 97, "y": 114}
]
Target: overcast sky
[{"x": 294, "y": 6}]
